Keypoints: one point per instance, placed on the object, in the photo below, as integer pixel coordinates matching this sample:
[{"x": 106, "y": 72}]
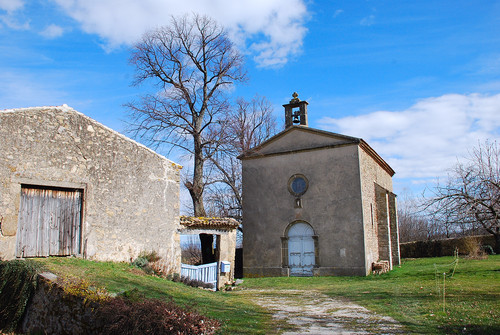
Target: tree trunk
[
  {"x": 196, "y": 187},
  {"x": 196, "y": 191}
]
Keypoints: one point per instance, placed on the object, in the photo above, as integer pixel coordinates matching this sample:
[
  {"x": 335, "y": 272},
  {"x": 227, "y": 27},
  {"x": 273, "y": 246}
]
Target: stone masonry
[{"x": 130, "y": 193}]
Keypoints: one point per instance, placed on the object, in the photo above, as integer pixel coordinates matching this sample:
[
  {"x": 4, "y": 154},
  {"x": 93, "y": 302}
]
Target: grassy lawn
[
  {"x": 237, "y": 313},
  {"x": 412, "y": 294}
]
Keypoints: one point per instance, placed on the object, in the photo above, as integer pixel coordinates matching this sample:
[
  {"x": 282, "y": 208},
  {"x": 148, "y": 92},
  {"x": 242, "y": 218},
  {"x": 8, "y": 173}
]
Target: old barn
[{"x": 71, "y": 186}]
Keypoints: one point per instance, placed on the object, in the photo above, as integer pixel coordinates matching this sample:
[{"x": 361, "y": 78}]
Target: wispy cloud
[
  {"x": 20, "y": 89},
  {"x": 11, "y": 5},
  {"x": 52, "y": 31},
  {"x": 367, "y": 21},
  {"x": 425, "y": 140},
  {"x": 9, "y": 19},
  {"x": 272, "y": 31},
  {"x": 337, "y": 12}
]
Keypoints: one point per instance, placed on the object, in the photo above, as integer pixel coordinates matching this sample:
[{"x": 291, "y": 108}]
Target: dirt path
[{"x": 311, "y": 312}]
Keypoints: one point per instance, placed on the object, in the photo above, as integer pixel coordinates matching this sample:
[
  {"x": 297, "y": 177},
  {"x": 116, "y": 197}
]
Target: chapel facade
[{"x": 316, "y": 203}]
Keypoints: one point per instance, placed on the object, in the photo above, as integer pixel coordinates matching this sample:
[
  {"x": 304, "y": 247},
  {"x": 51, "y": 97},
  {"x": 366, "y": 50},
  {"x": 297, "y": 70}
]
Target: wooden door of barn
[{"x": 49, "y": 222}]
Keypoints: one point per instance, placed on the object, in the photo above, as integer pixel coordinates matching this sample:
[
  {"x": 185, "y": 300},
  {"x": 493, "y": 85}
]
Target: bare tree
[
  {"x": 471, "y": 197},
  {"x": 248, "y": 125},
  {"x": 193, "y": 63},
  {"x": 415, "y": 223}
]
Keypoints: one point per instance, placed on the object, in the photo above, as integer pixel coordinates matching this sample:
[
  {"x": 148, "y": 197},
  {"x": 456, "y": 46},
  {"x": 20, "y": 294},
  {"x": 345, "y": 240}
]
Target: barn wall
[{"x": 131, "y": 194}]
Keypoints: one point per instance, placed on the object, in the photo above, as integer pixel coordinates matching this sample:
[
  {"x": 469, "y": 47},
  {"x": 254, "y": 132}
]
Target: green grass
[
  {"x": 408, "y": 293},
  {"x": 237, "y": 313}
]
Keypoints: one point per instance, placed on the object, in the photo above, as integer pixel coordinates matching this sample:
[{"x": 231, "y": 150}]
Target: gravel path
[{"x": 311, "y": 312}]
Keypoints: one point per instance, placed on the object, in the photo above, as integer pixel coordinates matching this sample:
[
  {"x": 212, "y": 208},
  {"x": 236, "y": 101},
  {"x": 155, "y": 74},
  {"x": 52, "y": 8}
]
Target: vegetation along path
[{"x": 312, "y": 312}]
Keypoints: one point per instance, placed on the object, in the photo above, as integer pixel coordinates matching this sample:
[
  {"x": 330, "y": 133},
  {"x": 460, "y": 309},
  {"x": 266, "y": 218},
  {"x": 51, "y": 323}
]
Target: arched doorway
[{"x": 301, "y": 254}]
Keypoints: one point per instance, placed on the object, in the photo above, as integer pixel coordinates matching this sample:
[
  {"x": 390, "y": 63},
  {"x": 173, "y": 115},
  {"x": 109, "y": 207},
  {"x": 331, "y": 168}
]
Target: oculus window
[{"x": 298, "y": 184}]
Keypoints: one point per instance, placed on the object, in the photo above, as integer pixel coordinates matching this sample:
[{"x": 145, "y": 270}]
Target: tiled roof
[{"x": 208, "y": 222}]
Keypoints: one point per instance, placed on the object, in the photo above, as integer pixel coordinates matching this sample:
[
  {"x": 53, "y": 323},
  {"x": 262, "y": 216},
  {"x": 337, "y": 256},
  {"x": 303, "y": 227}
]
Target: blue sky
[{"x": 418, "y": 80}]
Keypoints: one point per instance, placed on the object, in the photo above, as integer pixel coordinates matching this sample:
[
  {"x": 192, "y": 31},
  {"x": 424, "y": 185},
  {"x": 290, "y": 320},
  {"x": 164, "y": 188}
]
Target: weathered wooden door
[
  {"x": 49, "y": 222},
  {"x": 301, "y": 254}
]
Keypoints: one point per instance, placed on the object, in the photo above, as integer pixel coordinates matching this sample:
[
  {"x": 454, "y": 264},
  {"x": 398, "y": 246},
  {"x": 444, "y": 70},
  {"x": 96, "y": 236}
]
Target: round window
[{"x": 297, "y": 185}]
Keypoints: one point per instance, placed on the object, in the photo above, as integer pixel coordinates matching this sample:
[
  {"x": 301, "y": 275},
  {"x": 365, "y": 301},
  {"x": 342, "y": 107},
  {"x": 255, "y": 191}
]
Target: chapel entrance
[{"x": 301, "y": 254}]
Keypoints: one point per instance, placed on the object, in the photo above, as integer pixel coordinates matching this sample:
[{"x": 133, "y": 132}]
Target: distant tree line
[{"x": 467, "y": 203}]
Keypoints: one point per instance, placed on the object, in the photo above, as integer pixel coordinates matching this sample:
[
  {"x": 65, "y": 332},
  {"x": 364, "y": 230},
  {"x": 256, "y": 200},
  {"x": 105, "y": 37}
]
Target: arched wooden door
[{"x": 301, "y": 255}]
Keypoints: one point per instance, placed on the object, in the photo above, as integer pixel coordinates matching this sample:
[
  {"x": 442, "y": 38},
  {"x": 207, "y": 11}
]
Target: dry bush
[
  {"x": 191, "y": 254},
  {"x": 124, "y": 316},
  {"x": 473, "y": 249},
  {"x": 162, "y": 267},
  {"x": 151, "y": 263}
]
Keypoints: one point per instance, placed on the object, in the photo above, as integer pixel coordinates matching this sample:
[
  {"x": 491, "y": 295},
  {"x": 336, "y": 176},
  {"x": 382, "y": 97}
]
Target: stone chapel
[{"x": 316, "y": 203}]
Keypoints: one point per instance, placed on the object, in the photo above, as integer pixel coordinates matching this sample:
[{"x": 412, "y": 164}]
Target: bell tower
[{"x": 295, "y": 112}]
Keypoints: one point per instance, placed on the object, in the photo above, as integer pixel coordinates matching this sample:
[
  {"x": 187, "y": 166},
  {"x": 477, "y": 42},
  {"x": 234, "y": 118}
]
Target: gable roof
[
  {"x": 307, "y": 139},
  {"x": 69, "y": 110}
]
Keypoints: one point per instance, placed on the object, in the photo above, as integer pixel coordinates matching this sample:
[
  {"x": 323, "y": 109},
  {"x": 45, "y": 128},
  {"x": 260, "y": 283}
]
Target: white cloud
[
  {"x": 338, "y": 12},
  {"x": 52, "y": 31},
  {"x": 425, "y": 140},
  {"x": 13, "y": 23},
  {"x": 9, "y": 19},
  {"x": 11, "y": 5},
  {"x": 273, "y": 30}
]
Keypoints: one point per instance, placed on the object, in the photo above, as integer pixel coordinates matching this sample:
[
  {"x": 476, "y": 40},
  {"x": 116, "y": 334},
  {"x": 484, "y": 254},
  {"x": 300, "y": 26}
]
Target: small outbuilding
[
  {"x": 316, "y": 203},
  {"x": 224, "y": 232},
  {"x": 72, "y": 186}
]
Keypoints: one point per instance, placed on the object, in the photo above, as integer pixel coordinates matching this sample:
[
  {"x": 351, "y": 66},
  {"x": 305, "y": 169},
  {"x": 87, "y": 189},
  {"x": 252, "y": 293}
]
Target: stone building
[
  {"x": 316, "y": 203},
  {"x": 224, "y": 233},
  {"x": 71, "y": 186}
]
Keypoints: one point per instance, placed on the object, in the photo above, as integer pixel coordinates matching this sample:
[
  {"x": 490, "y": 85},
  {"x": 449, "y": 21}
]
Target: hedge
[{"x": 445, "y": 247}]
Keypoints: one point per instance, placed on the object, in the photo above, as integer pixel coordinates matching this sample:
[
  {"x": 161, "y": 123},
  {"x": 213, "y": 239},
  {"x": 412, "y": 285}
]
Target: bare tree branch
[
  {"x": 193, "y": 63},
  {"x": 471, "y": 196},
  {"x": 248, "y": 125}
]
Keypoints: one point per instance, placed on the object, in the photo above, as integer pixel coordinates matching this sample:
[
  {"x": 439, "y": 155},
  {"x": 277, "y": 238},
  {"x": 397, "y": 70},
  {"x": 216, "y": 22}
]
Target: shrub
[
  {"x": 140, "y": 262},
  {"x": 123, "y": 316},
  {"x": 446, "y": 247},
  {"x": 18, "y": 282},
  {"x": 195, "y": 282},
  {"x": 162, "y": 268},
  {"x": 151, "y": 263},
  {"x": 176, "y": 278},
  {"x": 472, "y": 246},
  {"x": 150, "y": 256},
  {"x": 83, "y": 289}
]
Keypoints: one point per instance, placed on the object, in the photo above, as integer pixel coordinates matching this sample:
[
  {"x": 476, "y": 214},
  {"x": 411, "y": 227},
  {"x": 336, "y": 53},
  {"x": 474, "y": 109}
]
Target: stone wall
[
  {"x": 131, "y": 194},
  {"x": 379, "y": 212},
  {"x": 52, "y": 311}
]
